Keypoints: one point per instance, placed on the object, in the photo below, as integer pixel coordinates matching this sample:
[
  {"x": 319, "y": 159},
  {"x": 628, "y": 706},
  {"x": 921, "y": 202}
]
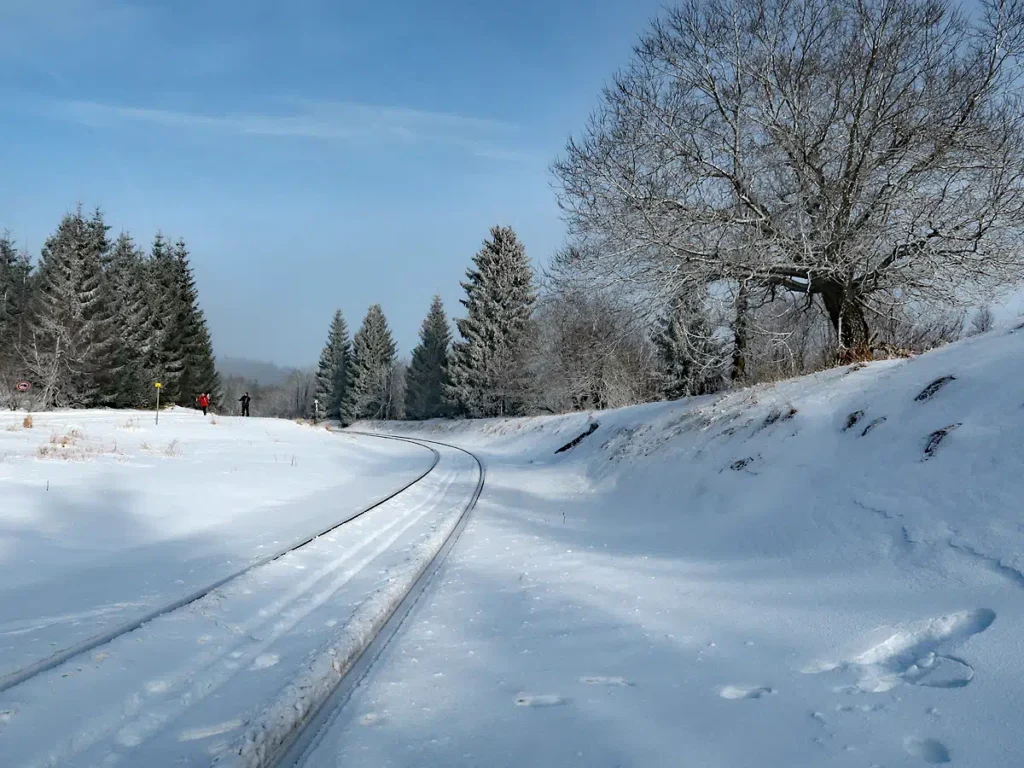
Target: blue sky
[{"x": 315, "y": 154}]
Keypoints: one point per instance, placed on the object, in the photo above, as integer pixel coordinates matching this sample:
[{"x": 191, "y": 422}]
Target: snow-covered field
[
  {"x": 106, "y": 515},
  {"x": 829, "y": 571},
  {"x": 230, "y": 676}
]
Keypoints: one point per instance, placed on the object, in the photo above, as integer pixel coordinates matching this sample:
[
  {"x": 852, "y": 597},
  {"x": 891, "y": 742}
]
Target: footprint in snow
[
  {"x": 265, "y": 661},
  {"x": 916, "y": 654},
  {"x": 744, "y": 691},
  {"x": 603, "y": 680},
  {"x": 157, "y": 686},
  {"x": 929, "y": 750},
  {"x": 541, "y": 700}
]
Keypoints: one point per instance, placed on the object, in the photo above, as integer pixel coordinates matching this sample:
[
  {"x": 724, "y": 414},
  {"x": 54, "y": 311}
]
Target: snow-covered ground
[
  {"x": 105, "y": 516},
  {"x": 828, "y": 571},
  {"x": 229, "y": 677}
]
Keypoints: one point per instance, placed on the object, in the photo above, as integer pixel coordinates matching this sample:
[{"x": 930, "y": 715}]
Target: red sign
[{"x": 24, "y": 386}]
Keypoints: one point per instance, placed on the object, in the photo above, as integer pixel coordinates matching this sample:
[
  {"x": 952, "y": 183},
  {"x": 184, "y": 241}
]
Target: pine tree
[
  {"x": 189, "y": 336},
  {"x": 335, "y": 369},
  {"x": 166, "y": 359},
  {"x": 204, "y": 372},
  {"x": 15, "y": 286},
  {"x": 98, "y": 313},
  {"x": 183, "y": 337},
  {"x": 182, "y": 356},
  {"x": 428, "y": 374},
  {"x": 72, "y": 350},
  {"x": 691, "y": 359},
  {"x": 487, "y": 371},
  {"x": 399, "y": 380},
  {"x": 126, "y": 276},
  {"x": 373, "y": 362}
]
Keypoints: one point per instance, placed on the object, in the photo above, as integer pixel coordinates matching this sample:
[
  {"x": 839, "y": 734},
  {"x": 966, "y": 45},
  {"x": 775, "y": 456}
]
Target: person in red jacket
[{"x": 204, "y": 402}]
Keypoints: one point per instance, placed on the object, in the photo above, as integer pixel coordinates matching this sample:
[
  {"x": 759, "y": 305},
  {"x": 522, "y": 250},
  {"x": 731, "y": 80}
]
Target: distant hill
[{"x": 259, "y": 371}]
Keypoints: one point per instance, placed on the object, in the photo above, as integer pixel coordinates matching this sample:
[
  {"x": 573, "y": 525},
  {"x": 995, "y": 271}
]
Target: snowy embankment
[
  {"x": 107, "y": 515},
  {"x": 827, "y": 571}
]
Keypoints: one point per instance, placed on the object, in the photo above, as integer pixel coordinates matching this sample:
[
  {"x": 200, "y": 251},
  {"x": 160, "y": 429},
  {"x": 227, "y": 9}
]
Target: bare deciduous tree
[
  {"x": 840, "y": 149},
  {"x": 786, "y": 339},
  {"x": 588, "y": 354},
  {"x": 908, "y": 328}
]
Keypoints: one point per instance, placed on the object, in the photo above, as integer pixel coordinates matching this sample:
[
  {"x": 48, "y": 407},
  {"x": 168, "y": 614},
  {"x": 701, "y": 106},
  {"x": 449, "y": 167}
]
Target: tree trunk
[
  {"x": 740, "y": 332},
  {"x": 848, "y": 320}
]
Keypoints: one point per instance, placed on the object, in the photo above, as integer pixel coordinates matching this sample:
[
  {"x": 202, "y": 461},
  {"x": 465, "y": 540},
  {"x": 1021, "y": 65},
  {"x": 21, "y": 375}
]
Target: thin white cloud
[{"x": 328, "y": 121}]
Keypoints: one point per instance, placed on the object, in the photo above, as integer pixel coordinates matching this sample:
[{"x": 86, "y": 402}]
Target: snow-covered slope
[
  {"x": 105, "y": 515},
  {"x": 827, "y": 571}
]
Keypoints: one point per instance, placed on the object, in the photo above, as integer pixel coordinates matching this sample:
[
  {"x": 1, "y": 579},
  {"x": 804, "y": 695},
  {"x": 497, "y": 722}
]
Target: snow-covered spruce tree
[
  {"x": 98, "y": 313},
  {"x": 335, "y": 369},
  {"x": 15, "y": 285},
  {"x": 72, "y": 347},
  {"x": 487, "y": 370},
  {"x": 203, "y": 363},
  {"x": 428, "y": 373},
  {"x": 126, "y": 275},
  {"x": 191, "y": 335},
  {"x": 399, "y": 380},
  {"x": 691, "y": 359},
  {"x": 373, "y": 363},
  {"x": 167, "y": 357}
]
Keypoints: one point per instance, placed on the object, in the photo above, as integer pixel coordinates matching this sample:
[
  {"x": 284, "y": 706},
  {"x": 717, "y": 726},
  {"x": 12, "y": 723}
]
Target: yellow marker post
[{"x": 158, "y": 386}]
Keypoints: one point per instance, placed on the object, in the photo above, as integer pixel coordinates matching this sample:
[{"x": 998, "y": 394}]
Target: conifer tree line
[
  {"x": 96, "y": 321},
  {"x": 483, "y": 374},
  {"x": 519, "y": 350}
]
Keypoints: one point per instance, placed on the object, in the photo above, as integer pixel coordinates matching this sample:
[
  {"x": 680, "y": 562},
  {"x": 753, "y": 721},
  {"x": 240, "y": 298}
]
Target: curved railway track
[
  {"x": 64, "y": 655},
  {"x": 292, "y": 753},
  {"x": 293, "y": 632}
]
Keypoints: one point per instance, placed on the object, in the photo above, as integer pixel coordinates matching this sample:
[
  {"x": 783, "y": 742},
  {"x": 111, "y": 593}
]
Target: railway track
[
  {"x": 64, "y": 655},
  {"x": 292, "y": 753},
  {"x": 178, "y": 685}
]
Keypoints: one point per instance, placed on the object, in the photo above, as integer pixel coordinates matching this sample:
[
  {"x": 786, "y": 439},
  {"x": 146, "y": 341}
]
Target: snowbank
[{"x": 826, "y": 571}]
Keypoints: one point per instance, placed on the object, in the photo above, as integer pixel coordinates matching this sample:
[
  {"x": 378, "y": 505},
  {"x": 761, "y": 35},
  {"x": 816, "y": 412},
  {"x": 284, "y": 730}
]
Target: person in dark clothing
[{"x": 244, "y": 400}]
